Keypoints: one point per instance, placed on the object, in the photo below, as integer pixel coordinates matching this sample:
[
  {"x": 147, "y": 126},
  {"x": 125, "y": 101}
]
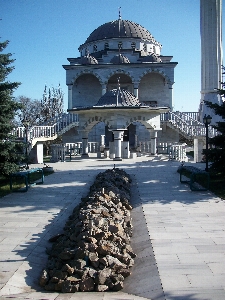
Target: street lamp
[
  {"x": 207, "y": 120},
  {"x": 25, "y": 123}
]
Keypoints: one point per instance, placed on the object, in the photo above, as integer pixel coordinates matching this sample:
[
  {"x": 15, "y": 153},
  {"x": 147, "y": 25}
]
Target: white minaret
[{"x": 211, "y": 53}]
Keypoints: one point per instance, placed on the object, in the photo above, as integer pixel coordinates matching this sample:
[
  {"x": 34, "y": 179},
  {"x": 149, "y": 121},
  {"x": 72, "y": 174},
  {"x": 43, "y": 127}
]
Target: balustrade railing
[
  {"x": 53, "y": 128},
  {"x": 187, "y": 124}
]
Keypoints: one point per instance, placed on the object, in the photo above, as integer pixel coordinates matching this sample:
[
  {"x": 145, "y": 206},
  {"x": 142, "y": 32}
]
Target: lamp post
[
  {"x": 25, "y": 123},
  {"x": 207, "y": 120}
]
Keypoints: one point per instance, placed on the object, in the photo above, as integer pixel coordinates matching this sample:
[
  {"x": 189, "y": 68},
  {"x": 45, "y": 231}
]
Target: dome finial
[{"x": 120, "y": 13}]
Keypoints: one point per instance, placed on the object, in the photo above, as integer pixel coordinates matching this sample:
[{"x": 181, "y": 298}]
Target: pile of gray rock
[{"x": 94, "y": 252}]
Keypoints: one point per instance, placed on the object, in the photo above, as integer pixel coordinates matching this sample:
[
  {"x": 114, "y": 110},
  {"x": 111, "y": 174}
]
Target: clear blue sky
[{"x": 44, "y": 33}]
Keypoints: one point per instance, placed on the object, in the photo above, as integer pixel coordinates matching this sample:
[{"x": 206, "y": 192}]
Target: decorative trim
[
  {"x": 158, "y": 71},
  {"x": 119, "y": 71},
  {"x": 87, "y": 72}
]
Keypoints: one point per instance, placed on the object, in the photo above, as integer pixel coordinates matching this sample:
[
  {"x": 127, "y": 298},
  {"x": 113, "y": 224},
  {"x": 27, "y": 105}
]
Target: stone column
[
  {"x": 103, "y": 89},
  {"x": 198, "y": 147},
  {"x": 103, "y": 140},
  {"x": 136, "y": 89},
  {"x": 153, "y": 135},
  {"x": 85, "y": 143},
  {"x": 118, "y": 134},
  {"x": 39, "y": 153},
  {"x": 102, "y": 146},
  {"x": 70, "y": 95}
]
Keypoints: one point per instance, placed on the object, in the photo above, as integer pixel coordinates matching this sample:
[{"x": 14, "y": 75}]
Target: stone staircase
[
  {"x": 47, "y": 131},
  {"x": 187, "y": 124}
]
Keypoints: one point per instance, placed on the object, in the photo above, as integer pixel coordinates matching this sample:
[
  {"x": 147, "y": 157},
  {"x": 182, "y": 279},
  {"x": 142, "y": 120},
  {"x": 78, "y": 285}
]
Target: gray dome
[
  {"x": 119, "y": 29},
  {"x": 120, "y": 59},
  {"x": 118, "y": 97},
  {"x": 88, "y": 60},
  {"x": 152, "y": 57}
]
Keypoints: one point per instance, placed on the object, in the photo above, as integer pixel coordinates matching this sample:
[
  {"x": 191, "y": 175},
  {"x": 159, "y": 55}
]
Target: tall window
[
  {"x": 120, "y": 45},
  {"x": 145, "y": 47}
]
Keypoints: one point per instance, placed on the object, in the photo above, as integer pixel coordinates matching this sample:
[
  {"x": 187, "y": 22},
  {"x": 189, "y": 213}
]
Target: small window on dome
[
  {"x": 133, "y": 45},
  {"x": 154, "y": 49},
  {"x": 145, "y": 47},
  {"x": 120, "y": 45},
  {"x": 106, "y": 46},
  {"x": 95, "y": 48}
]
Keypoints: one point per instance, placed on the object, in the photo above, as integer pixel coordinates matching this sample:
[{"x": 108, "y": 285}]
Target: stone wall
[
  {"x": 153, "y": 88},
  {"x": 86, "y": 91}
]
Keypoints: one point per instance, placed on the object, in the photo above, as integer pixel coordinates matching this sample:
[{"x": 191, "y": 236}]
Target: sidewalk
[{"x": 179, "y": 235}]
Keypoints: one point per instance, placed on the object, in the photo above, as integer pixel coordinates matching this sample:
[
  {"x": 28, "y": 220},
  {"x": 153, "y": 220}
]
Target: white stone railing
[
  {"x": 163, "y": 148},
  {"x": 187, "y": 125},
  {"x": 47, "y": 132},
  {"x": 59, "y": 151},
  {"x": 93, "y": 147},
  {"x": 178, "y": 152},
  {"x": 194, "y": 116},
  {"x": 145, "y": 147}
]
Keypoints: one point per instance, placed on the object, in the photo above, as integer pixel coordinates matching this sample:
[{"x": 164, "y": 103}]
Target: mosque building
[
  {"x": 121, "y": 88},
  {"x": 120, "y": 69}
]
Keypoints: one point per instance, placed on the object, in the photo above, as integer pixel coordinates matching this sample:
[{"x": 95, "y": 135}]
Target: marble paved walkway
[{"x": 179, "y": 235}]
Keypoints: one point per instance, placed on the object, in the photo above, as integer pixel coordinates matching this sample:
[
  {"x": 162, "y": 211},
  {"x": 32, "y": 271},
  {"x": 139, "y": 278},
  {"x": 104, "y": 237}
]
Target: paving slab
[{"x": 178, "y": 234}]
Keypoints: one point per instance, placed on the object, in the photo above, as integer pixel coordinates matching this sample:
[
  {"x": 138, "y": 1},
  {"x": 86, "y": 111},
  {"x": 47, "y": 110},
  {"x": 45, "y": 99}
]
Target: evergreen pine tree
[
  {"x": 8, "y": 106},
  {"x": 217, "y": 153}
]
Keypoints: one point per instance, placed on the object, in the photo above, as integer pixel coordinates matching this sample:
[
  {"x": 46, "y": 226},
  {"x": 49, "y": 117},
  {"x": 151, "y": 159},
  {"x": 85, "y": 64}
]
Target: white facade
[
  {"x": 132, "y": 55},
  {"x": 211, "y": 53},
  {"x": 125, "y": 52}
]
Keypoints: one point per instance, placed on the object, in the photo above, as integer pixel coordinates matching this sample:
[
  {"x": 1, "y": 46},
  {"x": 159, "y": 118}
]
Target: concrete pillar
[
  {"x": 153, "y": 136},
  {"x": 136, "y": 89},
  {"x": 70, "y": 96},
  {"x": 125, "y": 149},
  {"x": 102, "y": 140},
  {"x": 85, "y": 143},
  {"x": 118, "y": 134},
  {"x": 39, "y": 153},
  {"x": 198, "y": 147},
  {"x": 102, "y": 145}
]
